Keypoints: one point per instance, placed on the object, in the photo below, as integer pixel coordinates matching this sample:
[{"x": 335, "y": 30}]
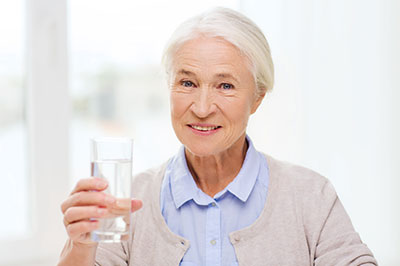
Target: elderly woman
[{"x": 218, "y": 201}]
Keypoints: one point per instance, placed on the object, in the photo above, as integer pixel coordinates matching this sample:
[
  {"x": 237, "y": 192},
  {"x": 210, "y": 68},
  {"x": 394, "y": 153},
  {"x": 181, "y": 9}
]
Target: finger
[
  {"x": 124, "y": 206},
  {"x": 121, "y": 207},
  {"x": 76, "y": 231},
  {"x": 136, "y": 205},
  {"x": 87, "y": 198},
  {"x": 76, "y": 214},
  {"x": 91, "y": 183}
]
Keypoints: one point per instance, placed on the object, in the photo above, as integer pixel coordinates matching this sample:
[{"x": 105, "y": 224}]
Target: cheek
[
  {"x": 245, "y": 110},
  {"x": 178, "y": 105},
  {"x": 237, "y": 112}
]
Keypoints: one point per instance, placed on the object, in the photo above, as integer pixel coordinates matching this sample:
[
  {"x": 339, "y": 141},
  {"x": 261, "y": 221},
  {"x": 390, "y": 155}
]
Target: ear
[{"x": 257, "y": 102}]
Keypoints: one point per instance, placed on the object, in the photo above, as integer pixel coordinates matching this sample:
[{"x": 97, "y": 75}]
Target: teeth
[{"x": 204, "y": 128}]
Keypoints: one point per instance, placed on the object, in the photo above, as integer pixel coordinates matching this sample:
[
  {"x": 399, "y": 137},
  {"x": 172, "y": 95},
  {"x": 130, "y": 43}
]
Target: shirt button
[
  {"x": 213, "y": 242},
  {"x": 213, "y": 204}
]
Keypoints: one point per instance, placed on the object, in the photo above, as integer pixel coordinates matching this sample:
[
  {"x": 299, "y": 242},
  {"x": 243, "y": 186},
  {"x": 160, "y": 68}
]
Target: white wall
[{"x": 334, "y": 106}]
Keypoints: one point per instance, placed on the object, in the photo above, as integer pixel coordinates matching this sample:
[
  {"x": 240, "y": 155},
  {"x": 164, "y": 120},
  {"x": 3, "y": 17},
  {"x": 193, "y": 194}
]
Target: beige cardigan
[{"x": 303, "y": 223}]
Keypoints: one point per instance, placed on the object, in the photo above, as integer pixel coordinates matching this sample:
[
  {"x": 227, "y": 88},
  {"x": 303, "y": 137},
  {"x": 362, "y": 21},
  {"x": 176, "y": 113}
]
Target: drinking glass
[{"x": 111, "y": 159}]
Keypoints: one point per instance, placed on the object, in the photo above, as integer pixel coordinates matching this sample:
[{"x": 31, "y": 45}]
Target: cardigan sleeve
[
  {"x": 112, "y": 254},
  {"x": 338, "y": 243}
]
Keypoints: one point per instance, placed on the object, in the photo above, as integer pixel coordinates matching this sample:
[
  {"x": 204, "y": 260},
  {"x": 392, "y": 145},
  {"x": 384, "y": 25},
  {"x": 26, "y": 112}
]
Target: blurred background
[{"x": 71, "y": 70}]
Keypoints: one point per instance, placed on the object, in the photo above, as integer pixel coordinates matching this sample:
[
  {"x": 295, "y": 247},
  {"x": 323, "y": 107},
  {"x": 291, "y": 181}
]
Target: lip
[{"x": 204, "y": 133}]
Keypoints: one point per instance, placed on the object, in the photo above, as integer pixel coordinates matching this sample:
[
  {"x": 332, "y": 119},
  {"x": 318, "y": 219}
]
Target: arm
[{"x": 339, "y": 243}]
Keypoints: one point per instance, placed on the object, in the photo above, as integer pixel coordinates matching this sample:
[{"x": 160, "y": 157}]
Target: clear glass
[
  {"x": 112, "y": 160},
  {"x": 14, "y": 196}
]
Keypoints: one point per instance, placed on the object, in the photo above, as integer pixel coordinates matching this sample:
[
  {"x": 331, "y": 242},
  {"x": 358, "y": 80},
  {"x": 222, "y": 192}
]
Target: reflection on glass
[{"x": 13, "y": 189}]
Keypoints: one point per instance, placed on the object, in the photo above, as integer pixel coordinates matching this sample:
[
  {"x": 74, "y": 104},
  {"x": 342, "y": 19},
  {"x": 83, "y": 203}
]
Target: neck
[{"x": 214, "y": 172}]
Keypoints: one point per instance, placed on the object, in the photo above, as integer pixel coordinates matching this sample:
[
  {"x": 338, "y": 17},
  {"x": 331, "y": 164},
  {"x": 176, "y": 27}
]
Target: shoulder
[
  {"x": 302, "y": 177},
  {"x": 299, "y": 181},
  {"x": 302, "y": 193},
  {"x": 304, "y": 199}
]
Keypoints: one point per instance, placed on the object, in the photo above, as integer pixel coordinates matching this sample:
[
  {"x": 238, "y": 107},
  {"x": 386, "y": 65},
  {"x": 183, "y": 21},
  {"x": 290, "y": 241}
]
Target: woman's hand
[{"x": 87, "y": 203}]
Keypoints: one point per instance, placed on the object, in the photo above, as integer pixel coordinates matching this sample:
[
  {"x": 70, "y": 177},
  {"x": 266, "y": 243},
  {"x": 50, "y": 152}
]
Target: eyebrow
[
  {"x": 186, "y": 72},
  {"x": 219, "y": 75},
  {"x": 226, "y": 75}
]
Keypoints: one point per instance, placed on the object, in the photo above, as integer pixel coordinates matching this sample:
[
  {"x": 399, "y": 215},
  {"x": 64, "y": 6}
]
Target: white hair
[{"x": 233, "y": 27}]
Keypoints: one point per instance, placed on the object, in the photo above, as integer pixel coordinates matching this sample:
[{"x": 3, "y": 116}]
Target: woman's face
[{"x": 213, "y": 94}]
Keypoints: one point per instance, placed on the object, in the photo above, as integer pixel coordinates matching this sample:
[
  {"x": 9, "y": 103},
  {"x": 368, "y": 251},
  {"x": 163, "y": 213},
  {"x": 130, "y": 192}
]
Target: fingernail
[
  {"x": 101, "y": 183},
  {"x": 110, "y": 199},
  {"x": 101, "y": 211}
]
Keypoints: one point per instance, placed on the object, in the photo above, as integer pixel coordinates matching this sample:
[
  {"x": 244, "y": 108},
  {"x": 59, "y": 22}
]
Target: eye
[
  {"x": 187, "y": 83},
  {"x": 226, "y": 86}
]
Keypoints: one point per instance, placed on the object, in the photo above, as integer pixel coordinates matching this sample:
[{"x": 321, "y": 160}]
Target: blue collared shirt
[{"x": 205, "y": 221}]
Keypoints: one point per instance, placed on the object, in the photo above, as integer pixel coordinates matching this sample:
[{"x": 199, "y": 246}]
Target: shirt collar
[
  {"x": 244, "y": 182},
  {"x": 184, "y": 188}
]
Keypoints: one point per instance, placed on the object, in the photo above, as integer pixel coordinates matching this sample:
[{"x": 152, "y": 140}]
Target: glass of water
[{"x": 112, "y": 160}]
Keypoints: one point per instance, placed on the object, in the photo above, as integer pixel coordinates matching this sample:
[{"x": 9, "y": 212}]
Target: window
[
  {"x": 34, "y": 122},
  {"x": 13, "y": 138}
]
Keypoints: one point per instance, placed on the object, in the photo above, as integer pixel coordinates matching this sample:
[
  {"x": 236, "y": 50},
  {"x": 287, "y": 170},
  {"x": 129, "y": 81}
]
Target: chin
[
  {"x": 201, "y": 149},
  {"x": 198, "y": 151}
]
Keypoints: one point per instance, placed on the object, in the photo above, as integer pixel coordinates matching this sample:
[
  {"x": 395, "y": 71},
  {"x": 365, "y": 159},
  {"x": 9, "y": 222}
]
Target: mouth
[{"x": 203, "y": 128}]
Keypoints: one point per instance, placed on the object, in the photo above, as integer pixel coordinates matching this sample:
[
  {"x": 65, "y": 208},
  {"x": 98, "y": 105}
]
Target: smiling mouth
[{"x": 203, "y": 128}]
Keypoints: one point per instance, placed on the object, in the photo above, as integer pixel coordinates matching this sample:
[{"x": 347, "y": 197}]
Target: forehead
[{"x": 210, "y": 54}]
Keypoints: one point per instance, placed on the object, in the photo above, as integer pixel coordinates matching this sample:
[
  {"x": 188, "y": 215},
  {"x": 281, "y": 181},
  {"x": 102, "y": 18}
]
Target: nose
[{"x": 203, "y": 104}]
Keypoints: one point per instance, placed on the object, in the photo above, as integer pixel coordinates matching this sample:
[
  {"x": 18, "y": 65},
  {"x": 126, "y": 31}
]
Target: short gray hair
[{"x": 233, "y": 27}]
